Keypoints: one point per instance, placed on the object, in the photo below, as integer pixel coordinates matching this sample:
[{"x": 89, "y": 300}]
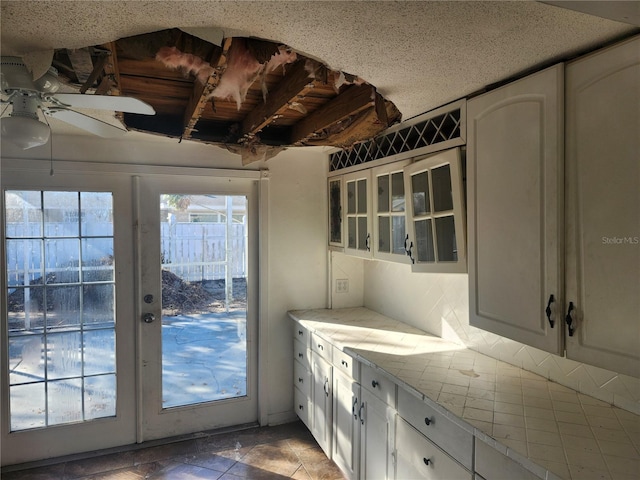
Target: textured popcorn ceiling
[{"x": 419, "y": 55}]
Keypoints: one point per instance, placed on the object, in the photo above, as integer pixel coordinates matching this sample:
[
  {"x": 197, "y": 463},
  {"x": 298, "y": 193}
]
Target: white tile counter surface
[{"x": 551, "y": 430}]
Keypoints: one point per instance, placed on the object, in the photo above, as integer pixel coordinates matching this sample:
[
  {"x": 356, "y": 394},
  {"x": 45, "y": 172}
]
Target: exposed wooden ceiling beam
[
  {"x": 112, "y": 72},
  {"x": 295, "y": 85},
  {"x": 200, "y": 94},
  {"x": 98, "y": 68},
  {"x": 352, "y": 101}
]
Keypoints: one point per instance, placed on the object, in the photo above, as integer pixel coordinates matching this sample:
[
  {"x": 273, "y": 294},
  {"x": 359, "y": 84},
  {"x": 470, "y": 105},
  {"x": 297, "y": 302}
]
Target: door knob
[{"x": 148, "y": 317}]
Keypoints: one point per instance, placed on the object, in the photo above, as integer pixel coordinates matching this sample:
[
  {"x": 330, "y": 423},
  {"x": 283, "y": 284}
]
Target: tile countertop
[{"x": 551, "y": 430}]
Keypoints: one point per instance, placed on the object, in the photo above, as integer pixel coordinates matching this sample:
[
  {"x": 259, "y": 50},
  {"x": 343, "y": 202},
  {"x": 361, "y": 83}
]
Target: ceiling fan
[{"x": 26, "y": 96}]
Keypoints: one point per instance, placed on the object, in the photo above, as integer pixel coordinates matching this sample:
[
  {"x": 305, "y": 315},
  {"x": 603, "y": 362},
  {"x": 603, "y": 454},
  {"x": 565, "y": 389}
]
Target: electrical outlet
[{"x": 342, "y": 285}]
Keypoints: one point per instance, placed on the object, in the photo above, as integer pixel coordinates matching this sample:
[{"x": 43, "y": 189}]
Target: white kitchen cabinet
[
  {"x": 335, "y": 212},
  {"x": 322, "y": 402},
  {"x": 603, "y": 208},
  {"x": 419, "y": 458},
  {"x": 389, "y": 213},
  {"x": 436, "y": 233},
  {"x": 377, "y": 437},
  {"x": 493, "y": 465},
  {"x": 515, "y": 209},
  {"x": 357, "y": 216},
  {"x": 346, "y": 424}
]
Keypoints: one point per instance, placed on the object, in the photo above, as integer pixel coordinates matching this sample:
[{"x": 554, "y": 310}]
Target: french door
[
  {"x": 128, "y": 307},
  {"x": 197, "y": 314}
]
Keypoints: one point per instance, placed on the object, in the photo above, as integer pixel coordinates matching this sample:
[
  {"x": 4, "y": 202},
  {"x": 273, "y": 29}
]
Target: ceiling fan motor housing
[{"x": 15, "y": 75}]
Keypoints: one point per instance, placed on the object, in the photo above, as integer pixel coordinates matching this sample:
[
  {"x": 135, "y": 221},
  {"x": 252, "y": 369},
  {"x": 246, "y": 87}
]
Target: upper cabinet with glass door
[
  {"x": 436, "y": 214},
  {"x": 358, "y": 213},
  {"x": 389, "y": 208}
]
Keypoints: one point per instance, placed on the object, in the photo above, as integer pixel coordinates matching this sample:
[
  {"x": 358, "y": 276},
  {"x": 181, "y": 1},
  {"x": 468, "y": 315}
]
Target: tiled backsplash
[{"x": 439, "y": 304}]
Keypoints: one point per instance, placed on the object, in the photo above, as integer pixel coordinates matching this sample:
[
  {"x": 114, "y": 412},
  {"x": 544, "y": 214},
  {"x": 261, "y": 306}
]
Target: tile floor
[{"x": 285, "y": 451}]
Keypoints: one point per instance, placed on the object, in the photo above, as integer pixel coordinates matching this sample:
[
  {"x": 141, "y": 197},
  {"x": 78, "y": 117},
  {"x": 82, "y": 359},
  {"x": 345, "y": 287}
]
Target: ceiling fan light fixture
[{"x": 24, "y": 131}]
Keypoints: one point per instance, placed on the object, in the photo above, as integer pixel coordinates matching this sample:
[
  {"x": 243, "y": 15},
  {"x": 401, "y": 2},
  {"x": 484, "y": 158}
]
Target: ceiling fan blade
[
  {"x": 85, "y": 122},
  {"x": 105, "y": 102}
]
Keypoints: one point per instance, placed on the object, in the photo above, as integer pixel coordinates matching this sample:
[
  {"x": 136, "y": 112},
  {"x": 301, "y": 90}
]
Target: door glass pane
[
  {"x": 351, "y": 232},
  {"x": 442, "y": 195},
  {"x": 362, "y": 196},
  {"x": 335, "y": 212},
  {"x": 384, "y": 240},
  {"x": 61, "y": 283},
  {"x": 383, "y": 193},
  {"x": 446, "y": 238},
  {"x": 397, "y": 192},
  {"x": 363, "y": 233},
  {"x": 420, "y": 190},
  {"x": 351, "y": 197},
  {"x": 204, "y": 302},
  {"x": 424, "y": 241},
  {"x": 398, "y": 233}
]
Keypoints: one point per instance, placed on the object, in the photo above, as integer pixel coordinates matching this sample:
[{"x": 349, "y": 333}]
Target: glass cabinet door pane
[
  {"x": 383, "y": 193},
  {"x": 362, "y": 196},
  {"x": 335, "y": 212},
  {"x": 424, "y": 241},
  {"x": 397, "y": 192},
  {"x": 420, "y": 190},
  {"x": 351, "y": 232},
  {"x": 351, "y": 197},
  {"x": 363, "y": 233},
  {"x": 446, "y": 238},
  {"x": 442, "y": 195},
  {"x": 384, "y": 228},
  {"x": 398, "y": 233}
]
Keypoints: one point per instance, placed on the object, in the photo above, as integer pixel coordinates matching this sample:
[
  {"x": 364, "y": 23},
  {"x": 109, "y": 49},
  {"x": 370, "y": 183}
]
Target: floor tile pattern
[{"x": 268, "y": 453}]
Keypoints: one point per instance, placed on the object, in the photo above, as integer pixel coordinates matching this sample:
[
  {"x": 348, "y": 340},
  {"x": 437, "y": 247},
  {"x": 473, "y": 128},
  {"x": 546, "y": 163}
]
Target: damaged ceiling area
[{"x": 252, "y": 96}]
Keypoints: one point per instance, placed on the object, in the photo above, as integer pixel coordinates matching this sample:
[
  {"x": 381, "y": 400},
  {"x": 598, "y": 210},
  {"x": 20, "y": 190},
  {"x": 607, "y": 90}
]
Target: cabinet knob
[
  {"x": 549, "y": 311},
  {"x": 426, "y": 461},
  {"x": 569, "y": 319},
  {"x": 374, "y": 383},
  {"x": 427, "y": 421}
]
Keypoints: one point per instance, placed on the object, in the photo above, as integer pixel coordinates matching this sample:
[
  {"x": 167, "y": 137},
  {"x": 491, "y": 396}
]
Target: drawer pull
[
  {"x": 426, "y": 461},
  {"x": 300, "y": 380},
  {"x": 301, "y": 355},
  {"x": 346, "y": 365},
  {"x": 427, "y": 421},
  {"x": 300, "y": 407},
  {"x": 320, "y": 346},
  {"x": 374, "y": 383},
  {"x": 300, "y": 332}
]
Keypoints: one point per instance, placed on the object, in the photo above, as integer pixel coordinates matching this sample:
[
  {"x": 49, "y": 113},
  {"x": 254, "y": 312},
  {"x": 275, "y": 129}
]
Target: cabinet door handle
[
  {"x": 408, "y": 249},
  {"x": 549, "y": 311},
  {"x": 368, "y": 242},
  {"x": 569, "y": 319},
  {"x": 374, "y": 383},
  {"x": 427, "y": 421},
  {"x": 326, "y": 389},
  {"x": 426, "y": 461},
  {"x": 360, "y": 410},
  {"x": 353, "y": 408}
]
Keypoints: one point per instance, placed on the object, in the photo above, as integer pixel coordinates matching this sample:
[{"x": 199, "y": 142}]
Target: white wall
[{"x": 439, "y": 304}]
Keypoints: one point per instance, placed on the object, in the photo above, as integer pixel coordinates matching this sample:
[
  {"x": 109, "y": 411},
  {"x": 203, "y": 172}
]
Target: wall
[
  {"x": 439, "y": 304},
  {"x": 297, "y": 254}
]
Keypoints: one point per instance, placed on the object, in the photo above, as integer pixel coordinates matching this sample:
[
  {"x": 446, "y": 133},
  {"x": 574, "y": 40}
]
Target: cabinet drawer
[
  {"x": 381, "y": 386},
  {"x": 302, "y": 378},
  {"x": 492, "y": 464},
  {"x": 321, "y": 347},
  {"x": 301, "y": 334},
  {"x": 301, "y": 354},
  {"x": 345, "y": 363},
  {"x": 418, "y": 457},
  {"x": 452, "y": 438},
  {"x": 302, "y": 406}
]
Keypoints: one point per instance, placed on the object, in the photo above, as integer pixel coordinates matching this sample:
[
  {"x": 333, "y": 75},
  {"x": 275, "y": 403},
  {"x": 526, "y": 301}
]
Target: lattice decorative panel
[{"x": 420, "y": 134}]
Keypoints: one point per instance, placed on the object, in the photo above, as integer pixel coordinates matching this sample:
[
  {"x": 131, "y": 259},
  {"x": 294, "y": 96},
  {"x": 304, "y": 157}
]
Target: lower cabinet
[
  {"x": 417, "y": 457},
  {"x": 322, "y": 400},
  {"x": 493, "y": 465},
  {"x": 346, "y": 424},
  {"x": 377, "y": 438}
]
